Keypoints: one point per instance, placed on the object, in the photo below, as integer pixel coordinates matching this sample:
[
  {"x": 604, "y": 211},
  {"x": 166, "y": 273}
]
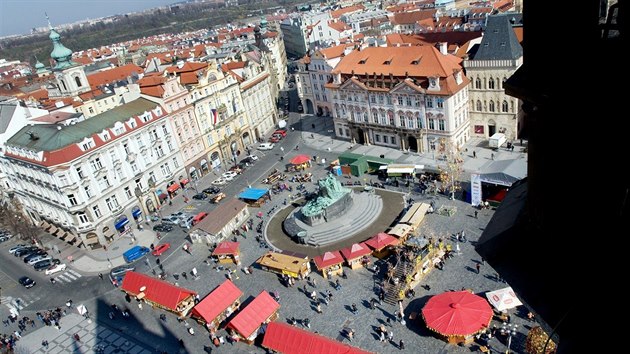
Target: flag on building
[{"x": 215, "y": 116}]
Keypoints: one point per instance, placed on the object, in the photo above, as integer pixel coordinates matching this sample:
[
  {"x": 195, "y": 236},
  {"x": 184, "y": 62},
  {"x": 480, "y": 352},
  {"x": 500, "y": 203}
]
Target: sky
[{"x": 19, "y": 16}]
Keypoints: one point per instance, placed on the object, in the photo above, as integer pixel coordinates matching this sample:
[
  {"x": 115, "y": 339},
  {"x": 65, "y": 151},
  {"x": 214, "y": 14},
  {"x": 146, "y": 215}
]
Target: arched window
[
  {"x": 478, "y": 84},
  {"x": 491, "y": 84},
  {"x": 491, "y": 106},
  {"x": 63, "y": 83},
  {"x": 479, "y": 106},
  {"x": 392, "y": 121},
  {"x": 375, "y": 116},
  {"x": 504, "y": 107},
  {"x": 78, "y": 81},
  {"x": 401, "y": 118},
  {"x": 365, "y": 117}
]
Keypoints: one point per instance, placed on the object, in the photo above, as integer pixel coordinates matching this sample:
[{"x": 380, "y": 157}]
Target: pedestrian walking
[
  {"x": 382, "y": 337},
  {"x": 100, "y": 275},
  {"x": 478, "y": 268},
  {"x": 140, "y": 305},
  {"x": 390, "y": 336},
  {"x": 76, "y": 337},
  {"x": 354, "y": 308},
  {"x": 45, "y": 344},
  {"x": 314, "y": 295},
  {"x": 401, "y": 345},
  {"x": 474, "y": 154},
  {"x": 319, "y": 308},
  {"x": 492, "y": 156},
  {"x": 476, "y": 212}
]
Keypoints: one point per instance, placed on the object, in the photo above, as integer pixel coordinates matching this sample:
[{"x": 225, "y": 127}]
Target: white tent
[{"x": 503, "y": 299}]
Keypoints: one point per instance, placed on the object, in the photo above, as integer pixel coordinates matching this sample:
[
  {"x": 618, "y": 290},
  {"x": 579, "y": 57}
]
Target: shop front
[
  {"x": 173, "y": 188},
  {"x": 356, "y": 255},
  {"x": 329, "y": 264},
  {"x": 382, "y": 243},
  {"x": 136, "y": 213},
  {"x": 227, "y": 252},
  {"x": 122, "y": 224}
]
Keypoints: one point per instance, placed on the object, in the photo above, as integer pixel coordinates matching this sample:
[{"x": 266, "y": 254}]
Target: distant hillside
[{"x": 180, "y": 18}]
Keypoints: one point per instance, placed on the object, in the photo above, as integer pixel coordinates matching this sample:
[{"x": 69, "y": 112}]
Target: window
[
  {"x": 158, "y": 151},
  {"x": 372, "y": 98},
  {"x": 153, "y": 134},
  {"x": 491, "y": 84},
  {"x": 491, "y": 106},
  {"x": 152, "y": 179},
  {"x": 140, "y": 142},
  {"x": 341, "y": 131},
  {"x": 112, "y": 155},
  {"x": 392, "y": 121},
  {"x": 82, "y": 217},
  {"x": 389, "y": 99},
  {"x": 128, "y": 192},
  {"x": 139, "y": 183},
  {"x": 375, "y": 116},
  {"x": 91, "y": 110},
  {"x": 479, "y": 106},
  {"x": 164, "y": 171},
  {"x": 410, "y": 122},
  {"x": 504, "y": 107},
  {"x": 400, "y": 100},
  {"x": 175, "y": 162},
  {"x": 112, "y": 203},
  {"x": 393, "y": 140},
  {"x": 385, "y": 139},
  {"x": 401, "y": 118},
  {"x": 365, "y": 117},
  {"x": 164, "y": 129},
  {"x": 119, "y": 130},
  {"x": 97, "y": 211},
  {"x": 72, "y": 200},
  {"x": 126, "y": 147},
  {"x": 429, "y": 102},
  {"x": 88, "y": 145},
  {"x": 440, "y": 103},
  {"x": 120, "y": 174},
  {"x": 380, "y": 98},
  {"x": 96, "y": 164},
  {"x": 478, "y": 84},
  {"x": 431, "y": 123},
  {"x": 88, "y": 191},
  {"x": 408, "y": 99},
  {"x": 134, "y": 166},
  {"x": 63, "y": 180},
  {"x": 103, "y": 183},
  {"x": 377, "y": 138},
  {"x": 441, "y": 124}
]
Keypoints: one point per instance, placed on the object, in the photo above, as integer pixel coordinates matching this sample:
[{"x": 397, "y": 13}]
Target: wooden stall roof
[
  {"x": 217, "y": 301},
  {"x": 256, "y": 312},
  {"x": 282, "y": 261}
]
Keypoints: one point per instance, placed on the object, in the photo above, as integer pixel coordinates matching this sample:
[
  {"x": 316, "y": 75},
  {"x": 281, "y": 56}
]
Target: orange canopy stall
[
  {"x": 227, "y": 252},
  {"x": 329, "y": 263},
  {"x": 356, "y": 254},
  {"x": 380, "y": 243}
]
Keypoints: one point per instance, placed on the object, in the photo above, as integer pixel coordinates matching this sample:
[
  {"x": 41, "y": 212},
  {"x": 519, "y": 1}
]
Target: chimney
[{"x": 443, "y": 47}]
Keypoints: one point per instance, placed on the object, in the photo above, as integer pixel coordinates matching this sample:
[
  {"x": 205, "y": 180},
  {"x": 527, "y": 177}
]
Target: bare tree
[{"x": 451, "y": 170}]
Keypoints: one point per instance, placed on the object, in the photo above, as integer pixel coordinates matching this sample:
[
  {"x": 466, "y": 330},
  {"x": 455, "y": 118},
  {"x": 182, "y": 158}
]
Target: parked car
[
  {"x": 200, "y": 196},
  {"x": 43, "y": 264},
  {"x": 44, "y": 257},
  {"x": 55, "y": 268},
  {"x": 34, "y": 254},
  {"x": 217, "y": 198},
  {"x": 266, "y": 146},
  {"x": 161, "y": 248},
  {"x": 229, "y": 175},
  {"x": 219, "y": 182},
  {"x": 5, "y": 237},
  {"x": 162, "y": 228},
  {"x": 187, "y": 223},
  {"x": 238, "y": 168},
  {"x": 27, "y": 282},
  {"x": 25, "y": 251},
  {"x": 282, "y": 132},
  {"x": 170, "y": 220},
  {"x": 17, "y": 247},
  {"x": 199, "y": 217},
  {"x": 274, "y": 139},
  {"x": 212, "y": 190},
  {"x": 117, "y": 274}
]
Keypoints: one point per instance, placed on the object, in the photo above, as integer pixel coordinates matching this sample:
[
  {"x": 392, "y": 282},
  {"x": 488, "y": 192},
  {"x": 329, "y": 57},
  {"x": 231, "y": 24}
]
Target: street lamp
[{"x": 509, "y": 330}]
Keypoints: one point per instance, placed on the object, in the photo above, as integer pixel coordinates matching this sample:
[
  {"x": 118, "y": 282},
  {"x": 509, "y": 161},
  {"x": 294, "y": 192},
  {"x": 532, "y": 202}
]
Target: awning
[
  {"x": 355, "y": 251},
  {"x": 253, "y": 194},
  {"x": 256, "y": 312},
  {"x": 162, "y": 196},
  {"x": 52, "y": 230},
  {"x": 400, "y": 169},
  {"x": 400, "y": 230},
  {"x": 64, "y": 235},
  {"x": 173, "y": 188},
  {"x": 121, "y": 223},
  {"x": 381, "y": 240},
  {"x": 287, "y": 339},
  {"x": 136, "y": 213},
  {"x": 503, "y": 299},
  {"x": 415, "y": 214},
  {"x": 184, "y": 181},
  {"x": 217, "y": 301}
]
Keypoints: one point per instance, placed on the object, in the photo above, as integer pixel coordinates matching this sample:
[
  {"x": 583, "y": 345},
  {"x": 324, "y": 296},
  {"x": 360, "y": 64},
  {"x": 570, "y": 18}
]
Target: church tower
[{"x": 71, "y": 78}]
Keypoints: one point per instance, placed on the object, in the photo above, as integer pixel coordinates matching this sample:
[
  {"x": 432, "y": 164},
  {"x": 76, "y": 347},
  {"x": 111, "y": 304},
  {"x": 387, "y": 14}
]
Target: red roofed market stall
[
  {"x": 380, "y": 243},
  {"x": 287, "y": 339},
  {"x": 159, "y": 293},
  {"x": 263, "y": 309},
  {"x": 227, "y": 252},
  {"x": 220, "y": 304},
  {"x": 356, "y": 255},
  {"x": 329, "y": 263}
]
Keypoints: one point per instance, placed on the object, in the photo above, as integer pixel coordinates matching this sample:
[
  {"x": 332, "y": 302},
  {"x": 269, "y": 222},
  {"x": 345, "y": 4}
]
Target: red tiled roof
[
  {"x": 217, "y": 301},
  {"x": 83, "y": 60},
  {"x": 355, "y": 251},
  {"x": 338, "y": 26},
  {"x": 226, "y": 247},
  {"x": 408, "y": 18},
  {"x": 381, "y": 240},
  {"x": 287, "y": 339},
  {"x": 256, "y": 312},
  {"x": 327, "y": 259},
  {"x": 334, "y": 52},
  {"x": 187, "y": 67},
  {"x": 345, "y": 10},
  {"x": 112, "y": 75},
  {"x": 55, "y": 117},
  {"x": 158, "y": 291},
  {"x": 153, "y": 91},
  {"x": 255, "y": 82},
  {"x": 188, "y": 78}
]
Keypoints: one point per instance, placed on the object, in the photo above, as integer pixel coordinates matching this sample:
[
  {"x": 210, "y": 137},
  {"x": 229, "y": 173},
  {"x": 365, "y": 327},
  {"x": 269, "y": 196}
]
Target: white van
[{"x": 266, "y": 146}]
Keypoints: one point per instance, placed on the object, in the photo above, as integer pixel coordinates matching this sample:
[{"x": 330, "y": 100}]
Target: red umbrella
[
  {"x": 457, "y": 313},
  {"x": 300, "y": 159}
]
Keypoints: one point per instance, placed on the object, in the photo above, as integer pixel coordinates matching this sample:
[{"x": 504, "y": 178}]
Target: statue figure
[{"x": 330, "y": 191}]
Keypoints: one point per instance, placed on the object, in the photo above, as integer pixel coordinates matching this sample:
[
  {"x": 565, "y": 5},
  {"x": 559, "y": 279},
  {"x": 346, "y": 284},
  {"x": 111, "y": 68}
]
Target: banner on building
[{"x": 475, "y": 189}]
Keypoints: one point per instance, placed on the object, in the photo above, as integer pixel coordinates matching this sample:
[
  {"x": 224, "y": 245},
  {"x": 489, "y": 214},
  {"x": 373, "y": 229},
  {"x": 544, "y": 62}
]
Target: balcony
[{"x": 131, "y": 157}]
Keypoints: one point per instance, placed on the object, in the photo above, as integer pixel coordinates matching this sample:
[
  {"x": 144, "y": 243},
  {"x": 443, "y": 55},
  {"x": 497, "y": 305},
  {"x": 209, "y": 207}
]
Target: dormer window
[{"x": 415, "y": 62}]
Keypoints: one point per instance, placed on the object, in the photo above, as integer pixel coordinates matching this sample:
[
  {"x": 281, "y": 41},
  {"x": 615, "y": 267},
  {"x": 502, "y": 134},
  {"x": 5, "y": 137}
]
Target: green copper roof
[
  {"x": 50, "y": 138},
  {"x": 60, "y": 53}
]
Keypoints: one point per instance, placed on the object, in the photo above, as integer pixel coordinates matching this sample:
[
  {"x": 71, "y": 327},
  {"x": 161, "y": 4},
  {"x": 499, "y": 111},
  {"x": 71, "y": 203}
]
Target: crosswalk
[
  {"x": 67, "y": 277},
  {"x": 16, "y": 304}
]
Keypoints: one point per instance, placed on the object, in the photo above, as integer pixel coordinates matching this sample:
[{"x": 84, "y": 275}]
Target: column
[
  {"x": 420, "y": 145},
  {"x": 402, "y": 142},
  {"x": 366, "y": 137}
]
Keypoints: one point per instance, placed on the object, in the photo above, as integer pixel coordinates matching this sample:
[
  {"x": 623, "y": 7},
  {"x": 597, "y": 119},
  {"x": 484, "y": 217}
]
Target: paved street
[{"x": 145, "y": 332}]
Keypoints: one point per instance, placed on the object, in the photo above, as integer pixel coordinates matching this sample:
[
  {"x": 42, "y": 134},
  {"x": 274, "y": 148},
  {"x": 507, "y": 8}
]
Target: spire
[
  {"x": 48, "y": 19},
  {"x": 60, "y": 53}
]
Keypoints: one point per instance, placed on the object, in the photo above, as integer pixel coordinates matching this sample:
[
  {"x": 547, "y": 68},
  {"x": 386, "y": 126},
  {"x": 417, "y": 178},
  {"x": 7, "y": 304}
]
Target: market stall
[
  {"x": 159, "y": 293},
  {"x": 227, "y": 252},
  {"x": 299, "y": 163},
  {"x": 287, "y": 339},
  {"x": 503, "y": 299},
  {"x": 356, "y": 255},
  {"x": 381, "y": 243},
  {"x": 291, "y": 265},
  {"x": 329, "y": 264},
  {"x": 255, "y": 196},
  {"x": 402, "y": 231},
  {"x": 457, "y": 315},
  {"x": 247, "y": 323},
  {"x": 217, "y": 306},
  {"x": 415, "y": 215}
]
